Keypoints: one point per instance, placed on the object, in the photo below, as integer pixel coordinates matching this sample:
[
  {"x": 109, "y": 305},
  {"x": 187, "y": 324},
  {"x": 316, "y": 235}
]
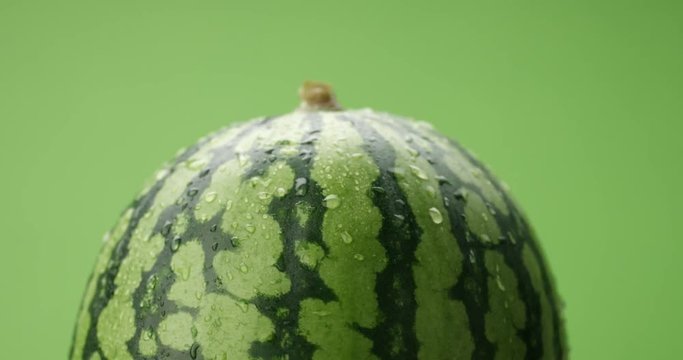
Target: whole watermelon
[{"x": 321, "y": 234}]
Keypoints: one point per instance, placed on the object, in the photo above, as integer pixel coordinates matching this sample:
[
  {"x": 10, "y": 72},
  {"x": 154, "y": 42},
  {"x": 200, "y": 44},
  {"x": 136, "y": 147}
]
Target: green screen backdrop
[{"x": 577, "y": 105}]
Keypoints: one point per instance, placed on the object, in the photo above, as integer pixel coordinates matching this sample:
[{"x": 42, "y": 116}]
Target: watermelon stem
[{"x": 317, "y": 96}]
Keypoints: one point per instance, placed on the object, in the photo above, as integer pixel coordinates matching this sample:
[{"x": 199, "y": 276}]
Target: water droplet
[
  {"x": 346, "y": 237},
  {"x": 195, "y": 164},
  {"x": 166, "y": 228},
  {"x": 192, "y": 192},
  {"x": 149, "y": 333},
  {"x": 210, "y": 196},
  {"x": 184, "y": 272},
  {"x": 446, "y": 201},
  {"x": 461, "y": 194},
  {"x": 418, "y": 172},
  {"x": 300, "y": 186},
  {"x": 485, "y": 238},
  {"x": 413, "y": 152},
  {"x": 204, "y": 173},
  {"x": 359, "y": 257},
  {"x": 263, "y": 195},
  {"x": 250, "y": 228},
  {"x": 213, "y": 228},
  {"x": 280, "y": 192},
  {"x": 378, "y": 190},
  {"x": 244, "y": 268},
  {"x": 175, "y": 243},
  {"x": 193, "y": 351},
  {"x": 217, "y": 322},
  {"x": 431, "y": 191},
  {"x": 214, "y": 247},
  {"x": 399, "y": 218},
  {"x": 471, "y": 256},
  {"x": 436, "y": 216},
  {"x": 512, "y": 238},
  {"x": 332, "y": 201},
  {"x": 442, "y": 180},
  {"x": 500, "y": 283},
  {"x": 228, "y": 205}
]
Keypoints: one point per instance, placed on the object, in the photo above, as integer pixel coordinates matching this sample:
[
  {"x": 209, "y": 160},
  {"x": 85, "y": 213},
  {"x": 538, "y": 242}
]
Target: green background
[{"x": 577, "y": 105}]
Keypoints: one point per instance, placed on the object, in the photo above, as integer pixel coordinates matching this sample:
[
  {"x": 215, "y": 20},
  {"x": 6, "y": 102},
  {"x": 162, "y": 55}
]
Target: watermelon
[{"x": 321, "y": 234}]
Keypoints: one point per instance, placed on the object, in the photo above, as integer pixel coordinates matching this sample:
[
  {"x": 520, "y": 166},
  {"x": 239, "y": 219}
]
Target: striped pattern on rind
[{"x": 321, "y": 235}]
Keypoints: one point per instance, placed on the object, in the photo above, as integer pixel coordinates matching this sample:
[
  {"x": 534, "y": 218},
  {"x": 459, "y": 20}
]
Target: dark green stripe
[
  {"x": 283, "y": 310},
  {"x": 394, "y": 337}
]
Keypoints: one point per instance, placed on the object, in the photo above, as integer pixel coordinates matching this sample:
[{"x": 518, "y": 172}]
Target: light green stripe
[
  {"x": 441, "y": 323},
  {"x": 507, "y": 313},
  {"x": 350, "y": 228},
  {"x": 250, "y": 269},
  {"x": 480, "y": 220}
]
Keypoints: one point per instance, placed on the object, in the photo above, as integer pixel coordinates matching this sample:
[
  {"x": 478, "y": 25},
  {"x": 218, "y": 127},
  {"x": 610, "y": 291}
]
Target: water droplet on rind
[
  {"x": 331, "y": 201},
  {"x": 436, "y": 216},
  {"x": 378, "y": 190},
  {"x": 166, "y": 228},
  {"x": 263, "y": 195},
  {"x": 460, "y": 194},
  {"x": 301, "y": 186},
  {"x": 210, "y": 196},
  {"x": 175, "y": 243},
  {"x": 442, "y": 180},
  {"x": 346, "y": 237},
  {"x": 499, "y": 282},
  {"x": 193, "y": 351},
  {"x": 418, "y": 172}
]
